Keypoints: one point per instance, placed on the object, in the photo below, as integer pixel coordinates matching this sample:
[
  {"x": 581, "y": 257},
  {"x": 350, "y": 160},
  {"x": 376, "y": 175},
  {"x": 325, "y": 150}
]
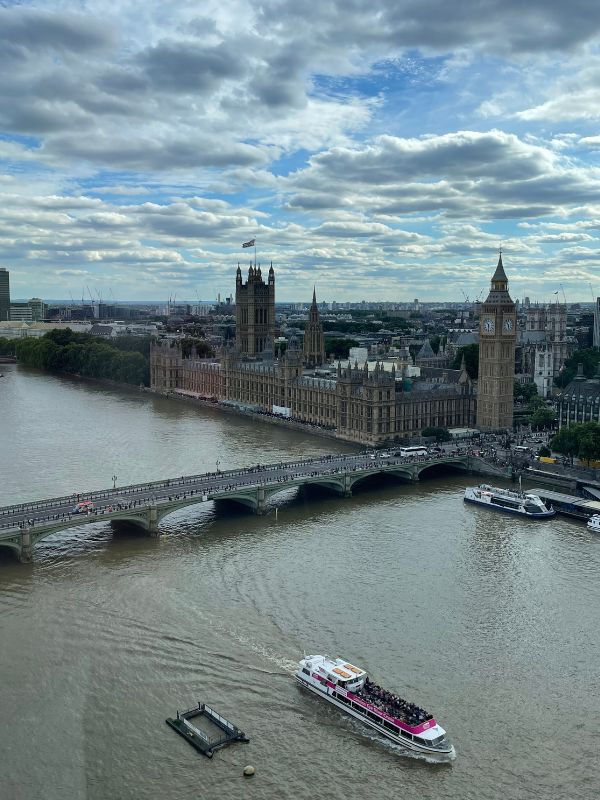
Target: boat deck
[
  {"x": 568, "y": 504},
  {"x": 393, "y": 705}
]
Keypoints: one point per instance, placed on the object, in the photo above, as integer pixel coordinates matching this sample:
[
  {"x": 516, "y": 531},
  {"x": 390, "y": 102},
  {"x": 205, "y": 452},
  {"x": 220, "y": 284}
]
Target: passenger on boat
[{"x": 393, "y": 705}]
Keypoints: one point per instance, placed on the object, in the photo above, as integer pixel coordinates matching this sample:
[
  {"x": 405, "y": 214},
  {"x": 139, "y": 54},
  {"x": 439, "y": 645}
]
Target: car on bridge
[{"x": 84, "y": 507}]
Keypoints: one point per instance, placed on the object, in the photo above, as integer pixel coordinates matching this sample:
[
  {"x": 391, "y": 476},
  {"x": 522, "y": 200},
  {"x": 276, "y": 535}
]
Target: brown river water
[{"x": 488, "y": 621}]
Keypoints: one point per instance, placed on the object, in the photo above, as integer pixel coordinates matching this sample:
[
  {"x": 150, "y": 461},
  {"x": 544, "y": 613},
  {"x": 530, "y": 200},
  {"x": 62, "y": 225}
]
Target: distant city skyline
[{"x": 384, "y": 153}]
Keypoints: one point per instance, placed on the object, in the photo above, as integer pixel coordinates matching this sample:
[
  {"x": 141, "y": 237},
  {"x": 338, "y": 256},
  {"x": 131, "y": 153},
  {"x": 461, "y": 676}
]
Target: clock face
[
  {"x": 508, "y": 324},
  {"x": 488, "y": 325}
]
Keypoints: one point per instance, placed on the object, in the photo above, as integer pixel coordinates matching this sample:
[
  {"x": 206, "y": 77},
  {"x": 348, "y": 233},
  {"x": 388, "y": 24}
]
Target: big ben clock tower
[{"x": 497, "y": 336}]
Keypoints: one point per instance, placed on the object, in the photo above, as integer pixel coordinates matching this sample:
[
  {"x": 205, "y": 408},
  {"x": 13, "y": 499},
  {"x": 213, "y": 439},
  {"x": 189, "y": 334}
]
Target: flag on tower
[{"x": 249, "y": 244}]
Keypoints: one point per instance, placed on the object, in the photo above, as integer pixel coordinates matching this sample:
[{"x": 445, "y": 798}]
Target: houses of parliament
[{"x": 371, "y": 404}]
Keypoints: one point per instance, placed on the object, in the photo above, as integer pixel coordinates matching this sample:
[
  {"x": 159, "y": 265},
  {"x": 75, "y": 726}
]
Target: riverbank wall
[{"x": 281, "y": 422}]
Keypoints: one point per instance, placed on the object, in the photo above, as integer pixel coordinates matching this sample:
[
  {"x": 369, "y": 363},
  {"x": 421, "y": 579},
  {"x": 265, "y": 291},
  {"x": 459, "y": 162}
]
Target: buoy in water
[{"x": 248, "y": 771}]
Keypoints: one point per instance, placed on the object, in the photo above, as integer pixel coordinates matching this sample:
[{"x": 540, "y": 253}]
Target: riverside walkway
[{"x": 22, "y": 526}]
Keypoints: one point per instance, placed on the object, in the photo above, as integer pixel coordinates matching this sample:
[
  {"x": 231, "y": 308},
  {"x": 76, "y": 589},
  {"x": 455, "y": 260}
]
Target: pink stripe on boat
[{"x": 423, "y": 726}]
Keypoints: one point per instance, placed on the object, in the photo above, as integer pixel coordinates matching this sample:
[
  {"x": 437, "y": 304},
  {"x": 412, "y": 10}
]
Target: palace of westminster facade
[{"x": 371, "y": 404}]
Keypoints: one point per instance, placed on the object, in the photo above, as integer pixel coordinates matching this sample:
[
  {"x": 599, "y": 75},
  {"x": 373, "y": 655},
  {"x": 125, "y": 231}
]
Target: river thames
[{"x": 490, "y": 622}]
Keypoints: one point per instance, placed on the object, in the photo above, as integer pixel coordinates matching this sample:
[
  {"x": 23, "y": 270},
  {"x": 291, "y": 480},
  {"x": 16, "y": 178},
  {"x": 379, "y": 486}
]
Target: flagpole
[{"x": 255, "y": 254}]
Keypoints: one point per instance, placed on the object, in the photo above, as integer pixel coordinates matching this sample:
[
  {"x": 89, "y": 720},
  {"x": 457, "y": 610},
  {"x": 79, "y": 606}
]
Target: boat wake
[{"x": 286, "y": 665}]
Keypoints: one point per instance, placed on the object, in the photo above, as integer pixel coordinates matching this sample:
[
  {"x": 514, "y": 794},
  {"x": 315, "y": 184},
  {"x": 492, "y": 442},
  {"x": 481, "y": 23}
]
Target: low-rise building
[{"x": 580, "y": 400}]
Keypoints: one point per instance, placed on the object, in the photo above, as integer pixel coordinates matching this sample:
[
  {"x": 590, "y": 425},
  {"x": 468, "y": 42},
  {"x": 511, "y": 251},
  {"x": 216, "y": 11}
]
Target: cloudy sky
[{"x": 378, "y": 150}]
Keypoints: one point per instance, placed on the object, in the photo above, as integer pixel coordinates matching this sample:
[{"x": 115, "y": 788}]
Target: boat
[
  {"x": 593, "y": 523},
  {"x": 523, "y": 503},
  {"x": 349, "y": 688}
]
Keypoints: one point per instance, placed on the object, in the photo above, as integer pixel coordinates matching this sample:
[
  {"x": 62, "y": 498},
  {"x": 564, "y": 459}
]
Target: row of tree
[
  {"x": 7, "y": 347},
  {"x": 581, "y": 439},
  {"x": 125, "y": 360}
]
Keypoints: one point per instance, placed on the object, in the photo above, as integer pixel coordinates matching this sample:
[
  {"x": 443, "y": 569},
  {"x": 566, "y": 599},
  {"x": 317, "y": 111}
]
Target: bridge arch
[
  {"x": 401, "y": 473},
  {"x": 441, "y": 466},
  {"x": 12, "y": 546},
  {"x": 242, "y": 501}
]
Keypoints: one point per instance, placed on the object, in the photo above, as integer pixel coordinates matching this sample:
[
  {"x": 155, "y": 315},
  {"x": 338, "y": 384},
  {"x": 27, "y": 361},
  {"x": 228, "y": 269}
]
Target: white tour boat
[
  {"x": 523, "y": 503},
  {"x": 349, "y": 688},
  {"x": 593, "y": 523}
]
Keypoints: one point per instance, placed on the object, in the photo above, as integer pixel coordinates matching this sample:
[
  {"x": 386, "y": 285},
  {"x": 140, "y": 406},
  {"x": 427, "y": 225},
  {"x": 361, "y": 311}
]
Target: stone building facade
[
  {"x": 544, "y": 346},
  {"x": 314, "y": 339},
  {"x": 254, "y": 311},
  {"x": 368, "y": 405},
  {"x": 497, "y": 337}
]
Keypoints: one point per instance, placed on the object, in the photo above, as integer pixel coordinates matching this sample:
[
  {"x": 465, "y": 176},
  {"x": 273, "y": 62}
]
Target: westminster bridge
[{"x": 144, "y": 505}]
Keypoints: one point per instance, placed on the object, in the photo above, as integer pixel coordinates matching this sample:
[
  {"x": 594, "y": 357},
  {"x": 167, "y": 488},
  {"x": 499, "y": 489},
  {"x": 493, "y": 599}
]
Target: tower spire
[
  {"x": 499, "y": 274},
  {"x": 314, "y": 340}
]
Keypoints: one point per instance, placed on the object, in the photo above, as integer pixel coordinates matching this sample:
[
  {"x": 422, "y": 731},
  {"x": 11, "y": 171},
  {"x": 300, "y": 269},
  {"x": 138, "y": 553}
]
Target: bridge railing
[
  {"x": 100, "y": 494},
  {"x": 194, "y": 480}
]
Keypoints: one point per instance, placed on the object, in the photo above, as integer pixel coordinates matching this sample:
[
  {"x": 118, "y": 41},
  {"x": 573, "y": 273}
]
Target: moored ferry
[
  {"x": 348, "y": 687},
  {"x": 523, "y": 503},
  {"x": 593, "y": 523}
]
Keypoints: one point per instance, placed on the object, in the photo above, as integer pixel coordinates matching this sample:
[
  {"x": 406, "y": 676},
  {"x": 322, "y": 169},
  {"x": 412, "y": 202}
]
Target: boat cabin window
[
  {"x": 305, "y": 671},
  {"x": 419, "y": 740},
  {"x": 405, "y": 734}
]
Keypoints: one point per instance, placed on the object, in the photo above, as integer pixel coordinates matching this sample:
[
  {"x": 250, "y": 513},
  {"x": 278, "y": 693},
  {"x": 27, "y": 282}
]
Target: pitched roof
[
  {"x": 466, "y": 338},
  {"x": 500, "y": 275},
  {"x": 426, "y": 350}
]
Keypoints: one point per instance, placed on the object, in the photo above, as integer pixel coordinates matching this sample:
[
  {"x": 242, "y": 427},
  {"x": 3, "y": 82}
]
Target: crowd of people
[
  {"x": 493, "y": 448},
  {"x": 392, "y": 704}
]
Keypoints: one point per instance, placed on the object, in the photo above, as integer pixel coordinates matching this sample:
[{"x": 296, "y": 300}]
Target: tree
[
  {"x": 339, "y": 348},
  {"x": 590, "y": 358},
  {"x": 524, "y": 390},
  {"x": 542, "y": 418},
  {"x": 471, "y": 354},
  {"x": 589, "y": 442},
  {"x": 203, "y": 348},
  {"x": 7, "y": 347},
  {"x": 535, "y": 402},
  {"x": 440, "y": 434},
  {"x": 581, "y": 439},
  {"x": 566, "y": 441},
  {"x": 89, "y": 356}
]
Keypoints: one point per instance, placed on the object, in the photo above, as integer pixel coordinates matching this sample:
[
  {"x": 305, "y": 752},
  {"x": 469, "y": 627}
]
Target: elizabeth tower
[{"x": 497, "y": 336}]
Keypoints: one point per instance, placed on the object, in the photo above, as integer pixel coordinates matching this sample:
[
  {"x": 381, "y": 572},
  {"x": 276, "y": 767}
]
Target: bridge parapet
[{"x": 145, "y": 505}]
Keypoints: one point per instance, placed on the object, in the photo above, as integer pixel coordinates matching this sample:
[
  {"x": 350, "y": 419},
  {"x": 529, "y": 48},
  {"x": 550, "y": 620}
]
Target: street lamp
[
  {"x": 114, "y": 480},
  {"x": 218, "y": 462}
]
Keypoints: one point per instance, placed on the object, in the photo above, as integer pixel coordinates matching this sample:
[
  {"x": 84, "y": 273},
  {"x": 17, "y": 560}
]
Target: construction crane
[{"x": 564, "y": 295}]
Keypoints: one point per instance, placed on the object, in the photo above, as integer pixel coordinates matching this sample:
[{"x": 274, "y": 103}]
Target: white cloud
[{"x": 147, "y": 141}]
